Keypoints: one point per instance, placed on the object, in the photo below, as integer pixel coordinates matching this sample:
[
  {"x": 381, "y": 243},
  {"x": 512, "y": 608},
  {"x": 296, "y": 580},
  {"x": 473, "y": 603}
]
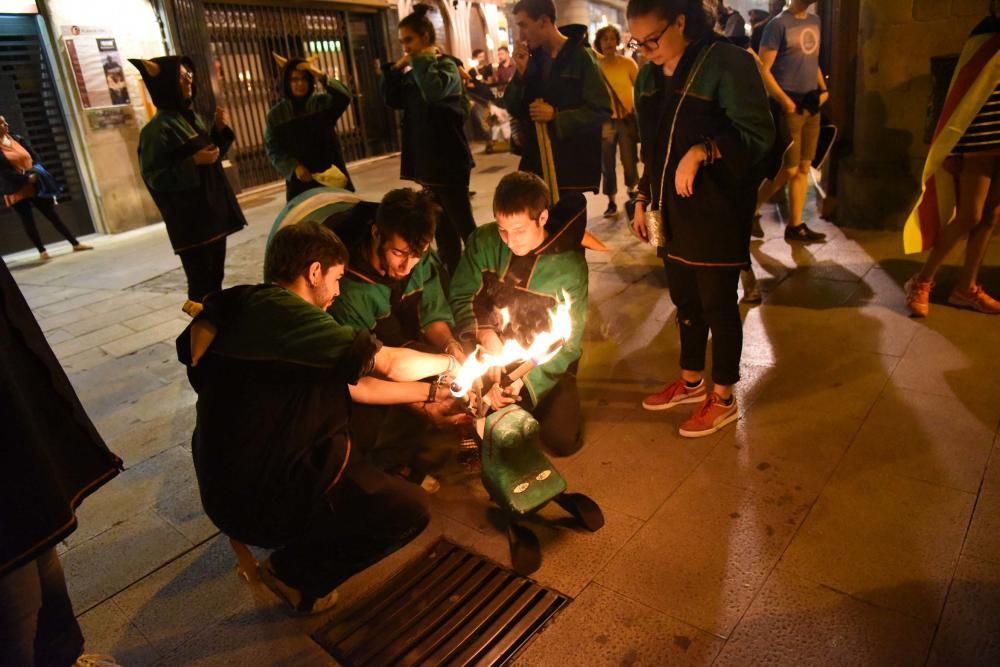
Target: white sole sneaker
[
  {"x": 673, "y": 404},
  {"x": 715, "y": 429}
]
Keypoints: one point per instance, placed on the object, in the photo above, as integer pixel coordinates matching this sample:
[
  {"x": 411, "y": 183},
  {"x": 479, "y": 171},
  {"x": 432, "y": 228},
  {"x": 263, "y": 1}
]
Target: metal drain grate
[{"x": 451, "y": 607}]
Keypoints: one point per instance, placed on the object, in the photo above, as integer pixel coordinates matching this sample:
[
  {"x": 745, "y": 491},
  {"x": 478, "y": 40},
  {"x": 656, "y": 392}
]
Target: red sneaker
[
  {"x": 710, "y": 417},
  {"x": 918, "y": 295},
  {"x": 976, "y": 299},
  {"x": 675, "y": 394}
]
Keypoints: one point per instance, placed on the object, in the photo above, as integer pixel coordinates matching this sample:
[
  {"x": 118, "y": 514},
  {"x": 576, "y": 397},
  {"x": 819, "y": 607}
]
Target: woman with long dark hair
[
  {"x": 26, "y": 185},
  {"x": 427, "y": 86},
  {"x": 705, "y": 127}
]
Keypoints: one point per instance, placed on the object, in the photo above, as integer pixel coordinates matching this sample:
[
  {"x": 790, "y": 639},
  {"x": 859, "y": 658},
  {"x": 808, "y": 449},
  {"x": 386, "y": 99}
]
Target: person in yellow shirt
[{"x": 620, "y": 131}]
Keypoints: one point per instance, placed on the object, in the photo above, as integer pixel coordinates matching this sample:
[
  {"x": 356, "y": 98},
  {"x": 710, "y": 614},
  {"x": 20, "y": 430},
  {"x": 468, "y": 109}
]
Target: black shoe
[
  {"x": 630, "y": 209},
  {"x": 611, "y": 211},
  {"x": 803, "y": 234},
  {"x": 756, "y": 230}
]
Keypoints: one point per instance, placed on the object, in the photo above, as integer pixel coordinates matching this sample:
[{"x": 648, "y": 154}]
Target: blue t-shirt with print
[{"x": 797, "y": 43}]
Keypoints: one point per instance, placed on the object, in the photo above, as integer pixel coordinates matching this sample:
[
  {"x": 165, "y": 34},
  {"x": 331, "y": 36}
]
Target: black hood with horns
[{"x": 162, "y": 78}]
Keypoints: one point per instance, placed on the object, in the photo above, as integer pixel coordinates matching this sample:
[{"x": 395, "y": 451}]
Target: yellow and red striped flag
[{"x": 976, "y": 75}]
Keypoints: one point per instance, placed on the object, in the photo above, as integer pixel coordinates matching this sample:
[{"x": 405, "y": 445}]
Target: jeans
[
  {"x": 456, "y": 223},
  {"x": 37, "y": 625},
  {"x": 706, "y": 301},
  {"x": 367, "y": 516},
  {"x": 47, "y": 207},
  {"x": 204, "y": 266},
  {"x": 623, "y": 134}
]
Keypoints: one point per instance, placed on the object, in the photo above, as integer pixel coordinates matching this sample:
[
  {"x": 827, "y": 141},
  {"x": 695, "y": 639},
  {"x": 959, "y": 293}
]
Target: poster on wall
[{"x": 96, "y": 66}]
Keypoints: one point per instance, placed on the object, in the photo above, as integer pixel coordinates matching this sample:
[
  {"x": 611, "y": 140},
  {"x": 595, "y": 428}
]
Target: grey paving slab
[
  {"x": 797, "y": 622},
  {"x": 890, "y": 540},
  {"x": 983, "y": 540},
  {"x": 601, "y": 627},
  {"x": 775, "y": 452},
  {"x": 153, "y": 318},
  {"x": 84, "y": 361},
  {"x": 951, "y": 360},
  {"x": 120, "y": 556},
  {"x": 134, "y": 490},
  {"x": 74, "y": 302},
  {"x": 142, "y": 440},
  {"x": 639, "y": 463},
  {"x": 167, "y": 331},
  {"x": 90, "y": 340},
  {"x": 108, "y": 630},
  {"x": 935, "y": 439},
  {"x": 702, "y": 557},
  {"x": 100, "y": 320},
  {"x": 183, "y": 511},
  {"x": 970, "y": 626},
  {"x": 177, "y": 602},
  {"x": 571, "y": 555}
]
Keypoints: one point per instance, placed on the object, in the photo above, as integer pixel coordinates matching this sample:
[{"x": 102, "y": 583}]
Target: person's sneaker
[
  {"x": 918, "y": 295},
  {"x": 630, "y": 209},
  {"x": 975, "y": 299},
  {"x": 802, "y": 234},
  {"x": 756, "y": 230},
  {"x": 674, "y": 394},
  {"x": 44, "y": 256},
  {"x": 300, "y": 602},
  {"x": 80, "y": 247},
  {"x": 712, "y": 415},
  {"x": 611, "y": 211}
]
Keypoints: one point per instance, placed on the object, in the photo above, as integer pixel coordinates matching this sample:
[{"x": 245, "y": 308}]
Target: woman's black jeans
[
  {"x": 204, "y": 267},
  {"x": 456, "y": 223},
  {"x": 47, "y": 207},
  {"x": 707, "y": 301}
]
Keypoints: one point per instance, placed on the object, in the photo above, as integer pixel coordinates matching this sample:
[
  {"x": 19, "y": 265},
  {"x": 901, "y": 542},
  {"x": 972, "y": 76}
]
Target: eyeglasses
[{"x": 650, "y": 44}]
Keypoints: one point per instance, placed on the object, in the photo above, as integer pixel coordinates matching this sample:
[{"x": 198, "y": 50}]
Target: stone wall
[{"x": 878, "y": 181}]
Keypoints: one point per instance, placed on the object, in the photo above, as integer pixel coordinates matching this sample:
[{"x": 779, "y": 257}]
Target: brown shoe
[
  {"x": 80, "y": 247},
  {"x": 975, "y": 299},
  {"x": 918, "y": 295},
  {"x": 44, "y": 256}
]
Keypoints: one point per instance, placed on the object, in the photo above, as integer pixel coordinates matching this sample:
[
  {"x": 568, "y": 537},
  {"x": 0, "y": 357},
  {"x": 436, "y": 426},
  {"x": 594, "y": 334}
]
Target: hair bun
[{"x": 420, "y": 9}]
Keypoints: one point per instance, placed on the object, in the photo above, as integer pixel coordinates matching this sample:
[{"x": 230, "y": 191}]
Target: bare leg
[
  {"x": 974, "y": 178},
  {"x": 770, "y": 188},
  {"x": 979, "y": 237},
  {"x": 798, "y": 187}
]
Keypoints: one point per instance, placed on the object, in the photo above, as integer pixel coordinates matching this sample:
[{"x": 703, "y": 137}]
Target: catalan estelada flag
[{"x": 977, "y": 74}]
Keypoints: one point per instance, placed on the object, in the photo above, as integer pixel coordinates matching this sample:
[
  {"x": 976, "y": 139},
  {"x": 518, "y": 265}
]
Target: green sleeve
[
  {"x": 541, "y": 379},
  {"x": 468, "y": 280},
  {"x": 283, "y": 163},
  {"x": 354, "y": 307},
  {"x": 317, "y": 340},
  {"x": 436, "y": 78},
  {"x": 742, "y": 96},
  {"x": 433, "y": 302},
  {"x": 337, "y": 97},
  {"x": 161, "y": 169},
  {"x": 596, "y": 102}
]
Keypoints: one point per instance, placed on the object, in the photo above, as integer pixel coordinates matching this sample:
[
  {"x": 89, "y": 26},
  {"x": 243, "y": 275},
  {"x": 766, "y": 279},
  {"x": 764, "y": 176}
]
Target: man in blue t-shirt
[{"x": 790, "y": 50}]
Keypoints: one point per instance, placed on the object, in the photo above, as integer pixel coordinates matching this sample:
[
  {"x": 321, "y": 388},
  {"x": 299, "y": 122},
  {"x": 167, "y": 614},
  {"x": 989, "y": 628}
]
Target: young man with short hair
[
  {"x": 789, "y": 50},
  {"x": 526, "y": 262},
  {"x": 275, "y": 377},
  {"x": 557, "y": 83}
]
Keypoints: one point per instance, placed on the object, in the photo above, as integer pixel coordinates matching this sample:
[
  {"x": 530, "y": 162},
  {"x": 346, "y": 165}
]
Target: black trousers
[
  {"x": 369, "y": 515},
  {"x": 47, "y": 207},
  {"x": 204, "y": 266},
  {"x": 456, "y": 223},
  {"x": 37, "y": 625},
  {"x": 560, "y": 418},
  {"x": 707, "y": 301}
]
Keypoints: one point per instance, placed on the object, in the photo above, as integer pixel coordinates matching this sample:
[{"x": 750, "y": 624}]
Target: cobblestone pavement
[{"x": 851, "y": 516}]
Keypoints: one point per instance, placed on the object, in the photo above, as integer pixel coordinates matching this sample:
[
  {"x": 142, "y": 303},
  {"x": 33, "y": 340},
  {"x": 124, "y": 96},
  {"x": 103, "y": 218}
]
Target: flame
[{"x": 544, "y": 346}]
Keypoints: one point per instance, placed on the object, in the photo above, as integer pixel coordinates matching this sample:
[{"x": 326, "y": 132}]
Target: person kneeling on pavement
[
  {"x": 275, "y": 377},
  {"x": 394, "y": 289},
  {"x": 525, "y": 262}
]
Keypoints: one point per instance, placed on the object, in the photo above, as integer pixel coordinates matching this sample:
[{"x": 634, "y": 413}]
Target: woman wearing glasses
[
  {"x": 180, "y": 157},
  {"x": 705, "y": 127}
]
